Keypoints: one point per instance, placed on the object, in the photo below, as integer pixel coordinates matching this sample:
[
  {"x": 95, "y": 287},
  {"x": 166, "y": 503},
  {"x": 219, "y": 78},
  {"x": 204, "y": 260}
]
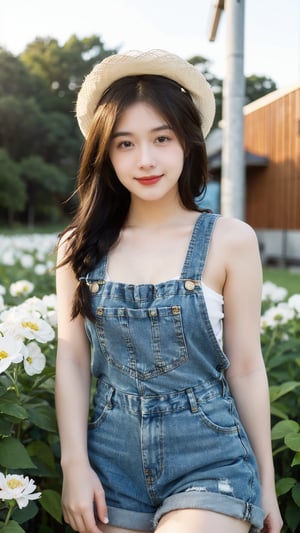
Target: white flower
[
  {"x": 26, "y": 261},
  {"x": 50, "y": 300},
  {"x": 34, "y": 359},
  {"x": 23, "y": 324},
  {"x": 2, "y": 306},
  {"x": 10, "y": 351},
  {"x": 35, "y": 328},
  {"x": 21, "y": 288},
  {"x": 40, "y": 269},
  {"x": 286, "y": 312},
  {"x": 50, "y": 265},
  {"x": 34, "y": 306},
  {"x": 8, "y": 258},
  {"x": 19, "y": 488},
  {"x": 52, "y": 318},
  {"x": 279, "y": 314},
  {"x": 294, "y": 302},
  {"x": 2, "y": 290},
  {"x": 272, "y": 292},
  {"x": 10, "y": 324}
]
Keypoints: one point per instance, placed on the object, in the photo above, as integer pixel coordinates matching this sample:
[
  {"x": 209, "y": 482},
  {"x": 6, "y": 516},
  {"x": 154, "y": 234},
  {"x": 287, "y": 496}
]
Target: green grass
[
  {"x": 284, "y": 278},
  {"x": 25, "y": 230}
]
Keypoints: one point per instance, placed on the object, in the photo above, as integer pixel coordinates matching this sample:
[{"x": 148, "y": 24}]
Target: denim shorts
[{"x": 141, "y": 474}]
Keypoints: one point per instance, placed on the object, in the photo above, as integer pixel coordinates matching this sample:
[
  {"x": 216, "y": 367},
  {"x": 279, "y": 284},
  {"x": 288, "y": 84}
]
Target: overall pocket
[
  {"x": 217, "y": 414},
  {"x": 142, "y": 343},
  {"x": 99, "y": 413}
]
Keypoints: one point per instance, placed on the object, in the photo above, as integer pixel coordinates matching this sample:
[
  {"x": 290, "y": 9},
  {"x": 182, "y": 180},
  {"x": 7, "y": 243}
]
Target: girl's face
[{"x": 146, "y": 154}]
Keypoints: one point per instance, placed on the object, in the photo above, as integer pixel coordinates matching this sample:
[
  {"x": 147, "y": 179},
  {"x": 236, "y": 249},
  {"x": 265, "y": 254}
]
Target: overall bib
[{"x": 165, "y": 433}]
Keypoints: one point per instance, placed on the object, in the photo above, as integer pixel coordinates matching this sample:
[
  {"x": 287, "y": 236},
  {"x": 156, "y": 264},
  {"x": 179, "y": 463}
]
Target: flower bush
[
  {"x": 280, "y": 336},
  {"x": 29, "y": 445},
  {"x": 30, "y": 476}
]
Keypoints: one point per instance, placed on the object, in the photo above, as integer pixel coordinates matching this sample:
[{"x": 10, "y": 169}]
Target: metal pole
[{"x": 233, "y": 164}]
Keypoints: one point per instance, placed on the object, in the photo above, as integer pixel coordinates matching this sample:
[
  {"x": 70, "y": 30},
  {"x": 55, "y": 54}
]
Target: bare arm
[
  {"x": 81, "y": 487},
  {"x": 246, "y": 374}
]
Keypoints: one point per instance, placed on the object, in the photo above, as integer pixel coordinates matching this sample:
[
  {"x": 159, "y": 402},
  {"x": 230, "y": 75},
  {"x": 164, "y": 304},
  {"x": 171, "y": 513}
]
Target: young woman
[{"x": 162, "y": 302}]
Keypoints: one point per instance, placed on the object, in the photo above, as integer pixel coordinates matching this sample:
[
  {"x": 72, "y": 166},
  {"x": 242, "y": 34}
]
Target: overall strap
[
  {"x": 198, "y": 247},
  {"x": 98, "y": 273}
]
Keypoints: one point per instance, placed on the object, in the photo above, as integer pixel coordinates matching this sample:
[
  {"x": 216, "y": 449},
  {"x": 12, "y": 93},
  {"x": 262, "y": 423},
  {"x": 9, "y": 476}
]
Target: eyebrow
[{"x": 128, "y": 133}]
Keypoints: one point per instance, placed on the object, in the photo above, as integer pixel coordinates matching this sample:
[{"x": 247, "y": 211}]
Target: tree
[
  {"x": 255, "y": 86},
  {"x": 22, "y": 126},
  {"x": 62, "y": 68},
  {"x": 12, "y": 189},
  {"x": 203, "y": 65},
  {"x": 15, "y": 78},
  {"x": 258, "y": 86},
  {"x": 44, "y": 184},
  {"x": 62, "y": 142}
]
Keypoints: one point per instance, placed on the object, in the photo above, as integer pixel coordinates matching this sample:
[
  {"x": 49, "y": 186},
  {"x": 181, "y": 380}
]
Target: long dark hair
[{"x": 103, "y": 201}]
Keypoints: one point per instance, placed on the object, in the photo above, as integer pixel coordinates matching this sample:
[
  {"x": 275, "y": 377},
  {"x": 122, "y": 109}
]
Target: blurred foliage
[
  {"x": 38, "y": 129},
  {"x": 255, "y": 86},
  {"x": 281, "y": 350},
  {"x": 283, "y": 277}
]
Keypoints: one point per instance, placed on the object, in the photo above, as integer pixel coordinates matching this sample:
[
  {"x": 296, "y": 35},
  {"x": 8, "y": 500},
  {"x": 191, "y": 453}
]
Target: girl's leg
[
  {"x": 200, "y": 521},
  {"x": 113, "y": 529}
]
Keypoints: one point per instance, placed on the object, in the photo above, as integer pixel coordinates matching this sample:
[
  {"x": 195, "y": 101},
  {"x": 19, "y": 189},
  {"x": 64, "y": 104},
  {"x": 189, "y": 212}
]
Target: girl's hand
[
  {"x": 83, "y": 499},
  {"x": 273, "y": 521}
]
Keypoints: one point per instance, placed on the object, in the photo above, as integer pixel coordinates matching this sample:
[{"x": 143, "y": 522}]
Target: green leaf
[
  {"x": 14, "y": 455},
  {"x": 280, "y": 429},
  {"x": 48, "y": 529},
  {"x": 277, "y": 361},
  {"x": 276, "y": 391},
  {"x": 284, "y": 484},
  {"x": 29, "y": 512},
  {"x": 278, "y": 450},
  {"x": 13, "y": 527},
  {"x": 296, "y": 460},
  {"x": 296, "y": 494},
  {"x": 5, "y": 427},
  {"x": 278, "y": 412},
  {"x": 44, "y": 459},
  {"x": 9, "y": 408},
  {"x": 292, "y": 517},
  {"x": 43, "y": 416},
  {"x": 42, "y": 451},
  {"x": 292, "y": 440},
  {"x": 51, "y": 502}
]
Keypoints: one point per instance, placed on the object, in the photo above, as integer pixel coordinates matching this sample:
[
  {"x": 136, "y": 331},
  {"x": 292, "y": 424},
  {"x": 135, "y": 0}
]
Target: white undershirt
[{"x": 214, "y": 303}]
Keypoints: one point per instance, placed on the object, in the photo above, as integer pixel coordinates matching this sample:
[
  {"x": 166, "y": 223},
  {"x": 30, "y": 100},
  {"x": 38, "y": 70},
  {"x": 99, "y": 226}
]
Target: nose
[{"x": 146, "y": 157}]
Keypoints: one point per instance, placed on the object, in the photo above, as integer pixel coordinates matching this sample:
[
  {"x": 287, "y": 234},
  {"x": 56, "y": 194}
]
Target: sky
[{"x": 272, "y": 30}]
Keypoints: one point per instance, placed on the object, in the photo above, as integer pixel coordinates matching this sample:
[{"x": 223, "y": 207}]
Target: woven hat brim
[{"x": 157, "y": 62}]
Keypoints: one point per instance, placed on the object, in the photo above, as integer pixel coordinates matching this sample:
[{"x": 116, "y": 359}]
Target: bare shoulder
[
  {"x": 63, "y": 246},
  {"x": 235, "y": 235},
  {"x": 65, "y": 276}
]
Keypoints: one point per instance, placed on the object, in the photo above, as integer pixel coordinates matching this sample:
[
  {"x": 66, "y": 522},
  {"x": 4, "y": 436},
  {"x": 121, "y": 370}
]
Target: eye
[
  {"x": 162, "y": 139},
  {"x": 125, "y": 144}
]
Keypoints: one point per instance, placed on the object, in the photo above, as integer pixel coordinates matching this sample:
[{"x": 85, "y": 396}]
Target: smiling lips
[{"x": 149, "y": 180}]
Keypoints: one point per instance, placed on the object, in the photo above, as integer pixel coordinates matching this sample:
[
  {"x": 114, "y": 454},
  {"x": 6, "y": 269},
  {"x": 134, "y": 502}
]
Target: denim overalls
[{"x": 165, "y": 432}]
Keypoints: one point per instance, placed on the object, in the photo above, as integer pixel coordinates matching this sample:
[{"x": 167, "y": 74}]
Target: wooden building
[
  {"x": 272, "y": 160},
  {"x": 272, "y": 130}
]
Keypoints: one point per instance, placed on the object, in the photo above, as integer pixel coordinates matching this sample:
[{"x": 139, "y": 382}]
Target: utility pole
[{"x": 233, "y": 162}]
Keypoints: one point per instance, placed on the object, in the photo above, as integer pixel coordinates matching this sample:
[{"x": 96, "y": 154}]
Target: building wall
[{"x": 272, "y": 129}]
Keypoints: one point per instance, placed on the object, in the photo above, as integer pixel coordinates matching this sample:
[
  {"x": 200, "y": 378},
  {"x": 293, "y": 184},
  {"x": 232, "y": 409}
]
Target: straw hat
[{"x": 135, "y": 62}]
